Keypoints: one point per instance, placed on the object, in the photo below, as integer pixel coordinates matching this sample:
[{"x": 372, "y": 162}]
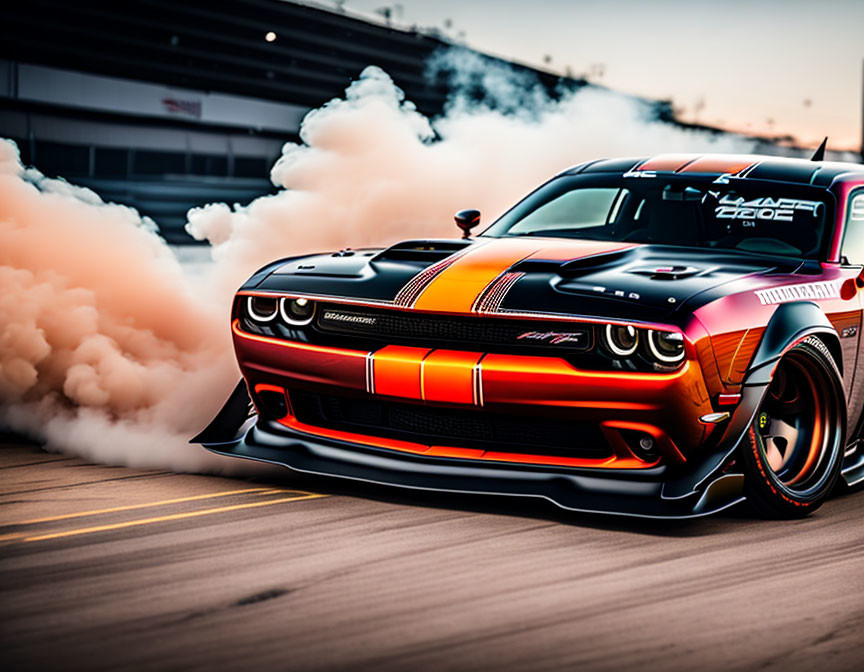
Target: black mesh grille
[
  {"x": 392, "y": 326},
  {"x": 450, "y": 427}
]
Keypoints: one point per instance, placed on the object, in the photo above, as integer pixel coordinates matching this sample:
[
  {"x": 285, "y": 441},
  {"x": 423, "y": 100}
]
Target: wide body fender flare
[{"x": 790, "y": 324}]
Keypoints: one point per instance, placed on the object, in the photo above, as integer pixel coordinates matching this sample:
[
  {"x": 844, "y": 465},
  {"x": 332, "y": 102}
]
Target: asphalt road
[{"x": 109, "y": 569}]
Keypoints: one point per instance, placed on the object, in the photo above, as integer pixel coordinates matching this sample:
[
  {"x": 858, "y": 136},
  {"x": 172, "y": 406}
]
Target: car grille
[
  {"x": 428, "y": 425},
  {"x": 394, "y": 326}
]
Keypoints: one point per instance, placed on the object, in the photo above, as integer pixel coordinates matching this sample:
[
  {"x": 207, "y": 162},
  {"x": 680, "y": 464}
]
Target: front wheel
[{"x": 793, "y": 452}]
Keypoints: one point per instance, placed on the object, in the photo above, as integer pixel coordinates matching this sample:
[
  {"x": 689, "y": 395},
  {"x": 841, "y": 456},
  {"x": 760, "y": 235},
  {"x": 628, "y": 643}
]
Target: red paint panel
[
  {"x": 448, "y": 376},
  {"x": 299, "y": 362},
  {"x": 734, "y": 352},
  {"x": 603, "y": 462},
  {"x": 672, "y": 401},
  {"x": 746, "y": 350},
  {"x": 668, "y": 163},
  {"x": 362, "y": 439},
  {"x": 462, "y": 453},
  {"x": 731, "y": 164},
  {"x": 397, "y": 371}
]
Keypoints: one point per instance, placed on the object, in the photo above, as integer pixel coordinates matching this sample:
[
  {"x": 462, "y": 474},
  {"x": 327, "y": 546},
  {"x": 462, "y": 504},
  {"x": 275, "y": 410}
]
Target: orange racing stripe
[
  {"x": 457, "y": 288},
  {"x": 397, "y": 371},
  {"x": 448, "y": 376}
]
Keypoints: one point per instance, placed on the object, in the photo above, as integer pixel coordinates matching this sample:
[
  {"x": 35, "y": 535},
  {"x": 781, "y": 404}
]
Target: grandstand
[{"x": 166, "y": 105}]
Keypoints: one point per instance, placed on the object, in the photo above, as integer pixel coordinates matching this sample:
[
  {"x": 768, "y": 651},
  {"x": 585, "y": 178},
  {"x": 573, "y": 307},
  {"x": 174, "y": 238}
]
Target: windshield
[{"x": 747, "y": 215}]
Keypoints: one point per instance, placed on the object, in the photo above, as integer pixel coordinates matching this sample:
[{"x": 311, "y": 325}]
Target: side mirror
[
  {"x": 851, "y": 287},
  {"x": 467, "y": 220}
]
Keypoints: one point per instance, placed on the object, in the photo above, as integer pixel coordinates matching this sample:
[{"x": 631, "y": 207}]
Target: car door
[{"x": 852, "y": 256}]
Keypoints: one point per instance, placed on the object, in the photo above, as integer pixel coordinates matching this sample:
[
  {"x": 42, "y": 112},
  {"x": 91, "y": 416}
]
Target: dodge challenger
[{"x": 657, "y": 337}]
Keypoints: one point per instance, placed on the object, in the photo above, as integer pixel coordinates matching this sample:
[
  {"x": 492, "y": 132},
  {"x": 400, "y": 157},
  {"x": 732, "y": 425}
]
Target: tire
[{"x": 793, "y": 452}]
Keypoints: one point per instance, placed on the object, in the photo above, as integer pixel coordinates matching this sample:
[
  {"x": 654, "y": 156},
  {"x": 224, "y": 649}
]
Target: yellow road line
[
  {"x": 157, "y": 519},
  {"x": 10, "y": 537},
  {"x": 132, "y": 507}
]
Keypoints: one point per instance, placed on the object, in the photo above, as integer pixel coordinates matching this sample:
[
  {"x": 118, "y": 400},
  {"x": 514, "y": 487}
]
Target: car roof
[{"x": 752, "y": 166}]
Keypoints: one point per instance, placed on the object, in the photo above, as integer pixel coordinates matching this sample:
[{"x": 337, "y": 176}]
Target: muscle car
[{"x": 659, "y": 337}]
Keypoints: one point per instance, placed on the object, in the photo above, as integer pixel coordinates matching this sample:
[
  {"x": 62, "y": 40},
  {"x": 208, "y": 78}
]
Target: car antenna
[{"x": 819, "y": 154}]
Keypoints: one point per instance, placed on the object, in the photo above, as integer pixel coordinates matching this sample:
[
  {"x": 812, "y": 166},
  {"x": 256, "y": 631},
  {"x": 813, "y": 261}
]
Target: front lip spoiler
[{"x": 266, "y": 442}]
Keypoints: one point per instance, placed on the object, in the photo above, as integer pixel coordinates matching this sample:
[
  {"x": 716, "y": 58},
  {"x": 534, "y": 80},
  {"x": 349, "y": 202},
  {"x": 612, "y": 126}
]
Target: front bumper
[
  {"x": 666, "y": 406},
  {"x": 638, "y": 492}
]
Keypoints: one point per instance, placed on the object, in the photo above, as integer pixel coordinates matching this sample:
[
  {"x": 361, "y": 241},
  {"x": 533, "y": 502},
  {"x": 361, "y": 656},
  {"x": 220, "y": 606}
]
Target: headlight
[
  {"x": 621, "y": 341},
  {"x": 666, "y": 346},
  {"x": 262, "y": 308},
  {"x": 297, "y": 312}
]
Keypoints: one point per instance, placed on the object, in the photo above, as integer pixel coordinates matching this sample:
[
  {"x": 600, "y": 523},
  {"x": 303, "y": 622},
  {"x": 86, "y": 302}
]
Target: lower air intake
[{"x": 428, "y": 425}]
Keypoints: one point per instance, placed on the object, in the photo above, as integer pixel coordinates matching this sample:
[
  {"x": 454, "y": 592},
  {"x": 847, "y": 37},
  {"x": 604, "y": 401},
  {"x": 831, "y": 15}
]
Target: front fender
[{"x": 790, "y": 323}]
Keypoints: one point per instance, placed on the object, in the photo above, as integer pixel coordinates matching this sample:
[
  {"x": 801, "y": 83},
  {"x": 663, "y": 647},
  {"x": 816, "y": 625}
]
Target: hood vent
[
  {"x": 668, "y": 272},
  {"x": 421, "y": 250}
]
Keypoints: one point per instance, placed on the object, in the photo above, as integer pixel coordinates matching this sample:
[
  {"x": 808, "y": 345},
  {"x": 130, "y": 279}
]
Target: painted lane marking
[
  {"x": 23, "y": 538},
  {"x": 132, "y": 507}
]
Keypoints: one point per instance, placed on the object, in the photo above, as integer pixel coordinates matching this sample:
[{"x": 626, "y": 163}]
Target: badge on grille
[
  {"x": 554, "y": 337},
  {"x": 349, "y": 318}
]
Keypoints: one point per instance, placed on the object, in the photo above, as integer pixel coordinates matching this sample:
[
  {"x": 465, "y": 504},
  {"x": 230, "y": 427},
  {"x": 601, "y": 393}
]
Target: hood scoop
[
  {"x": 593, "y": 263},
  {"x": 536, "y": 266},
  {"x": 573, "y": 268},
  {"x": 421, "y": 250},
  {"x": 668, "y": 272}
]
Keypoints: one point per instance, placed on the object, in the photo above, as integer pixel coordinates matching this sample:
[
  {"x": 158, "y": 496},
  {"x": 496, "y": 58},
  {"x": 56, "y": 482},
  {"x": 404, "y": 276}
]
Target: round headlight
[
  {"x": 622, "y": 341},
  {"x": 262, "y": 308},
  {"x": 297, "y": 311},
  {"x": 666, "y": 346}
]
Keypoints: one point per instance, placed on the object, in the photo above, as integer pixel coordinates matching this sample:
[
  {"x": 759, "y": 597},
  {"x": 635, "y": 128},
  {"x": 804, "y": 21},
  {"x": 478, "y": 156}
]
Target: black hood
[{"x": 648, "y": 283}]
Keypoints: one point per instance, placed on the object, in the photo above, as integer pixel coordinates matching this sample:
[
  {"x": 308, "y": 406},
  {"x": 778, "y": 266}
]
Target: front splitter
[{"x": 571, "y": 490}]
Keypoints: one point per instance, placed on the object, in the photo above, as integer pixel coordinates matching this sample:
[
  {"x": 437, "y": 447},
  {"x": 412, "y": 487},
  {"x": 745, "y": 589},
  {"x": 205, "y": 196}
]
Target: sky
[{"x": 758, "y": 66}]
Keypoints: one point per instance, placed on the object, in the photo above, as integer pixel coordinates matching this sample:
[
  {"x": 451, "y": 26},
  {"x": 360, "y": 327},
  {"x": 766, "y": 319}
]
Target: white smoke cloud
[
  {"x": 109, "y": 351},
  {"x": 106, "y": 349}
]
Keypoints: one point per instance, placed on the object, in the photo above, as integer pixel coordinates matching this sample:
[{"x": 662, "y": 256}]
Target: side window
[{"x": 853, "y": 239}]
